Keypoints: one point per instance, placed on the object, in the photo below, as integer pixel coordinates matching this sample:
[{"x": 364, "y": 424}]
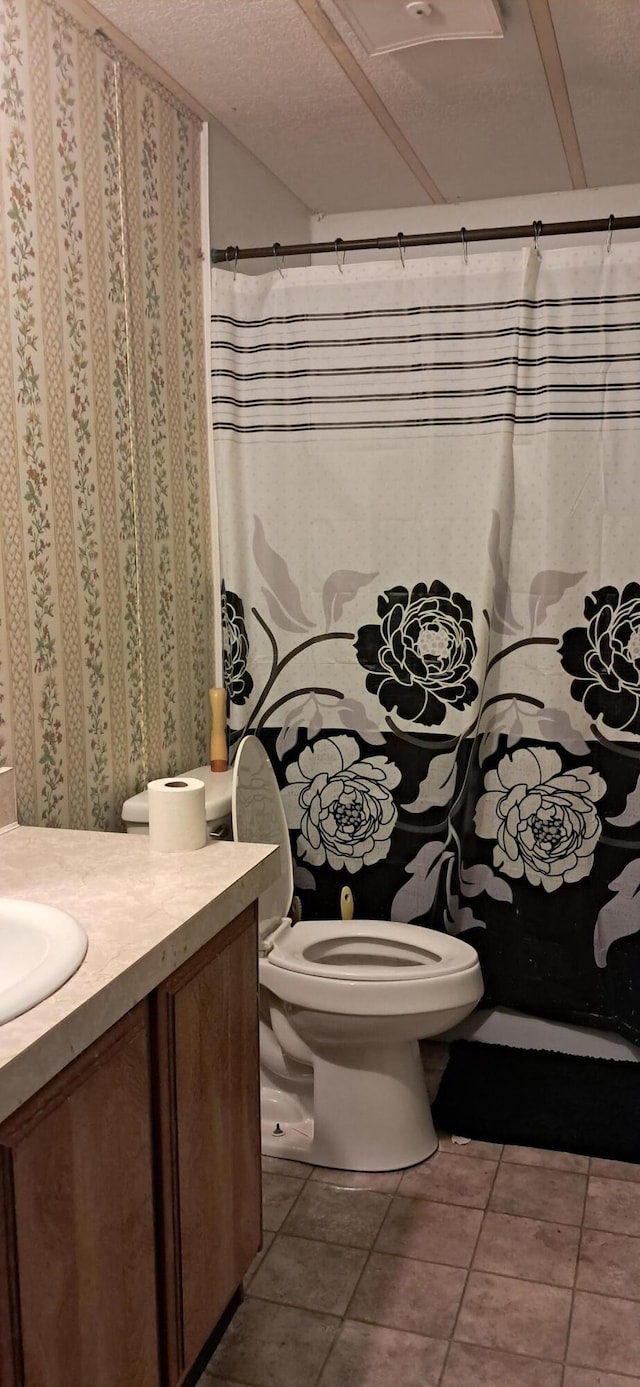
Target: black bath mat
[{"x": 541, "y": 1098}]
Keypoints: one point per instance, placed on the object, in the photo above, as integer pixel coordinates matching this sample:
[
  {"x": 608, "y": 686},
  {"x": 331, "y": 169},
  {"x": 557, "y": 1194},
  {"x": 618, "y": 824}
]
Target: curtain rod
[{"x": 400, "y": 242}]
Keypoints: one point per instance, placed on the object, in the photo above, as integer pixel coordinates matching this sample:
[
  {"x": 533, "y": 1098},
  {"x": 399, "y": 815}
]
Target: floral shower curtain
[
  {"x": 429, "y": 523},
  {"x": 105, "y": 588}
]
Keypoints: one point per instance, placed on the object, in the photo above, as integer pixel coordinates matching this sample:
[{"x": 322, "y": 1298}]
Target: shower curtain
[{"x": 429, "y": 516}]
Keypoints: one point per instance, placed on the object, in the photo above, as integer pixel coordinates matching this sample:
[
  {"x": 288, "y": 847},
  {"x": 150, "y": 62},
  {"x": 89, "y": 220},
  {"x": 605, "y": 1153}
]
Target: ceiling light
[{"x": 385, "y": 26}]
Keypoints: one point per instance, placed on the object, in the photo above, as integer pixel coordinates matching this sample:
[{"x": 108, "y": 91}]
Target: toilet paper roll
[{"x": 177, "y": 814}]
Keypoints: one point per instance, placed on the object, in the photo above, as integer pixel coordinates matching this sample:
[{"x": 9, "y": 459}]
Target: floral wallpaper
[
  {"x": 105, "y": 575},
  {"x": 431, "y": 620}
]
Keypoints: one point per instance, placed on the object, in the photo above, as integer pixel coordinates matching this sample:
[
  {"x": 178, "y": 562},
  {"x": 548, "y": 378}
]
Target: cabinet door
[
  {"x": 79, "y": 1222},
  {"x": 209, "y": 1106}
]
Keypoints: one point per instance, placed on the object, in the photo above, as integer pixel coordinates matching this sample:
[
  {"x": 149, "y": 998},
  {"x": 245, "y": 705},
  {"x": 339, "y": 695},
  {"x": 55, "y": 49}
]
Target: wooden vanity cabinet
[
  {"x": 206, "y": 1017},
  {"x": 130, "y": 1186},
  {"x": 79, "y": 1251}
]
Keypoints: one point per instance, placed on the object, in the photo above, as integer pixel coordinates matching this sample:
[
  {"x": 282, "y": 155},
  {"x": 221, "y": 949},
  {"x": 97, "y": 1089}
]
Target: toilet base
[
  {"x": 368, "y": 1110},
  {"x": 371, "y": 1107},
  {"x": 292, "y": 1142}
]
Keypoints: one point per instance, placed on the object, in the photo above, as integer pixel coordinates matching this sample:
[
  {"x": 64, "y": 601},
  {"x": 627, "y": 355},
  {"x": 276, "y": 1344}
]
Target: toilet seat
[
  {"x": 355, "y": 989},
  {"x": 363, "y": 950}
]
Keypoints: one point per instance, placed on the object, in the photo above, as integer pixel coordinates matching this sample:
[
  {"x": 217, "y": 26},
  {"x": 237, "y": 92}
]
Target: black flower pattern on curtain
[
  {"x": 420, "y": 656},
  {"x": 235, "y": 648},
  {"x": 603, "y": 657}
]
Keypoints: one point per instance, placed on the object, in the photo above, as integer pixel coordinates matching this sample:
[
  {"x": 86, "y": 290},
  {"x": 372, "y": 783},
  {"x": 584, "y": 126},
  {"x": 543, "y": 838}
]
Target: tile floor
[{"x": 487, "y": 1266}]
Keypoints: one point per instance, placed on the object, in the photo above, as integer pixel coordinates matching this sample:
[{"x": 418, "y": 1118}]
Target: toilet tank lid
[{"x": 217, "y": 796}]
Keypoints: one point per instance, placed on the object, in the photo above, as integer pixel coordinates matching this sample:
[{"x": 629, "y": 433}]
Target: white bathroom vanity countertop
[{"x": 144, "y": 913}]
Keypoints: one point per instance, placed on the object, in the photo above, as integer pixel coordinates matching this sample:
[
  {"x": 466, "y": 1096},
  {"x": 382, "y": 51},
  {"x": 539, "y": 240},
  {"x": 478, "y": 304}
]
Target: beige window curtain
[{"x": 105, "y": 564}]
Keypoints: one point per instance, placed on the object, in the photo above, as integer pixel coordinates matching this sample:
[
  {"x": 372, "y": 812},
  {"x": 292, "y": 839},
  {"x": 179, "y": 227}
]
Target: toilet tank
[{"x": 217, "y": 796}]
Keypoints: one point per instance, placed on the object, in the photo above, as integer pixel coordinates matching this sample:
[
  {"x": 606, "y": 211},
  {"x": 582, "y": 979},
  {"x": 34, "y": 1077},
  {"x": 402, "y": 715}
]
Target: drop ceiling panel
[
  {"x": 600, "y": 45},
  {"x": 263, "y": 71},
  {"x": 477, "y": 112}
]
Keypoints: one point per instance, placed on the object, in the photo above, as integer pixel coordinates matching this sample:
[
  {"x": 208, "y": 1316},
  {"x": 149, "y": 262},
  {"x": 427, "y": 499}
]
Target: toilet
[
  {"x": 342, "y": 1007},
  {"x": 342, "y": 1003},
  {"x": 217, "y": 794}
]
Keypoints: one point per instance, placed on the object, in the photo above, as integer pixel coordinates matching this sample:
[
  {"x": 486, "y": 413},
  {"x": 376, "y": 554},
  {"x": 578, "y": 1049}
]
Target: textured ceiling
[
  {"x": 478, "y": 114},
  {"x": 600, "y": 45},
  {"x": 261, "y": 69}
]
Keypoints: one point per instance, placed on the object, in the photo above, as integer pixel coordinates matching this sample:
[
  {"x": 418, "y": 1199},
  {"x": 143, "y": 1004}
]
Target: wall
[
  {"x": 248, "y": 204},
  {"x": 507, "y": 211}
]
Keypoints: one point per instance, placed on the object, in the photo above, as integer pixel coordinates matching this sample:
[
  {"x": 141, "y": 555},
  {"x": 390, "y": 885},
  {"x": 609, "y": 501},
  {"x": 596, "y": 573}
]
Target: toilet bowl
[{"x": 342, "y": 1007}]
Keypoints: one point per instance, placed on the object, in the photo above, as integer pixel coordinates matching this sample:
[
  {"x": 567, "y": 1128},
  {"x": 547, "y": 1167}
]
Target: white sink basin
[{"x": 40, "y": 947}]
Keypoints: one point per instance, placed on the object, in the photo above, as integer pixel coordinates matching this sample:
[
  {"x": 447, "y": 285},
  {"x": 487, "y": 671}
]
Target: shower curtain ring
[
  {"x": 236, "y": 252},
  {"x": 537, "y": 232},
  {"x": 463, "y": 238},
  {"x": 276, "y": 252},
  {"x": 336, "y": 246},
  {"x": 610, "y": 235},
  {"x": 400, "y": 239}
]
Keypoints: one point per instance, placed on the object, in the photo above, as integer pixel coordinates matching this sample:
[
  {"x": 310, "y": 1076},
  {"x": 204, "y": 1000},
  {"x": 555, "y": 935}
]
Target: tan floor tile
[
  {"x": 487, "y": 1150},
  {"x": 276, "y": 1166},
  {"x": 610, "y": 1264},
  {"x": 613, "y": 1205},
  {"x": 267, "y": 1239},
  {"x": 270, "y": 1345},
  {"x": 403, "y": 1294},
  {"x": 311, "y": 1275},
  {"x": 615, "y": 1170},
  {"x": 368, "y": 1356},
  {"x": 451, "y": 1180},
  {"x": 593, "y": 1377},
  {"x": 551, "y": 1160},
  {"x": 536, "y": 1192},
  {"x": 279, "y": 1193},
  {"x": 386, "y": 1181},
  {"x": 335, "y": 1215},
  {"x": 430, "y": 1232},
  {"x": 529, "y": 1248},
  {"x": 470, "y": 1366},
  {"x": 518, "y": 1316},
  {"x": 605, "y": 1333}
]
